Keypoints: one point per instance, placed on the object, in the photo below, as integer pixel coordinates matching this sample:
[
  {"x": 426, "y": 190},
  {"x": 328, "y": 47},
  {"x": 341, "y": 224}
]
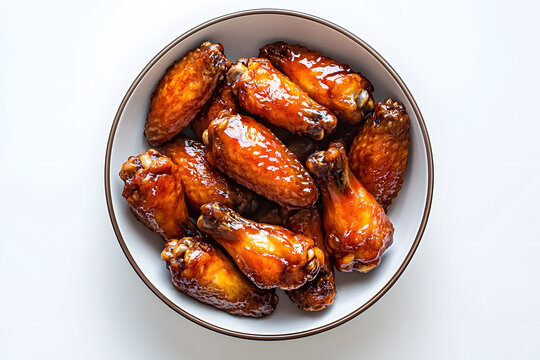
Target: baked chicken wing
[
  {"x": 357, "y": 228},
  {"x": 332, "y": 84},
  {"x": 206, "y": 273},
  {"x": 378, "y": 156},
  {"x": 269, "y": 255},
  {"x": 264, "y": 91},
  {"x": 202, "y": 182},
  {"x": 154, "y": 192},
  {"x": 253, "y": 156},
  {"x": 223, "y": 98},
  {"x": 318, "y": 293},
  {"x": 183, "y": 91}
]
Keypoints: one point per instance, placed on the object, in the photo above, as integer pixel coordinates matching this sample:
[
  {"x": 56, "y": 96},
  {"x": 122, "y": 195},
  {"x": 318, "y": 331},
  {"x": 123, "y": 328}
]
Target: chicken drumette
[
  {"x": 269, "y": 255},
  {"x": 253, "y": 156},
  {"x": 183, "y": 91},
  {"x": 332, "y": 84},
  {"x": 318, "y": 293},
  {"x": 378, "y": 156},
  {"x": 264, "y": 91},
  {"x": 204, "y": 272},
  {"x": 154, "y": 192},
  {"x": 202, "y": 182},
  {"x": 357, "y": 228}
]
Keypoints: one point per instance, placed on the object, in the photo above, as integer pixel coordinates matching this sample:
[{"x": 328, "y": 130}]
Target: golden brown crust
[
  {"x": 269, "y": 255},
  {"x": 332, "y": 84},
  {"x": 182, "y": 92},
  {"x": 223, "y": 98},
  {"x": 154, "y": 192},
  {"x": 264, "y": 91},
  {"x": 204, "y": 272},
  {"x": 378, "y": 156},
  {"x": 202, "y": 182},
  {"x": 357, "y": 228},
  {"x": 318, "y": 293},
  {"x": 254, "y": 157}
]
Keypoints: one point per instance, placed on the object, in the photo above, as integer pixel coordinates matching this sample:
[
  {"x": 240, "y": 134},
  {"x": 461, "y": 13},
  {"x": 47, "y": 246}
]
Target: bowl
[{"x": 242, "y": 34}]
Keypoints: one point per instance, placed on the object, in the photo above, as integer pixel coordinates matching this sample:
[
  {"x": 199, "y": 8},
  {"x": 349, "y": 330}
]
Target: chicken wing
[
  {"x": 332, "y": 84},
  {"x": 378, "y": 156},
  {"x": 204, "y": 272},
  {"x": 357, "y": 228},
  {"x": 202, "y": 182},
  {"x": 183, "y": 91},
  {"x": 253, "y": 156},
  {"x": 318, "y": 293},
  {"x": 269, "y": 255},
  {"x": 223, "y": 98},
  {"x": 264, "y": 91},
  {"x": 154, "y": 192}
]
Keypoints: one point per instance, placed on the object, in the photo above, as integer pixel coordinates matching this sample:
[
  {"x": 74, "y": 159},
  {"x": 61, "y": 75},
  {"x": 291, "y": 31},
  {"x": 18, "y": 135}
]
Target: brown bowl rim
[{"x": 427, "y": 206}]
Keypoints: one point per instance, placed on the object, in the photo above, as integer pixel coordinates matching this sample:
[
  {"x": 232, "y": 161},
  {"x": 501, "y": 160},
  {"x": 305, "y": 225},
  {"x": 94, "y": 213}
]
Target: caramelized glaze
[
  {"x": 357, "y": 228},
  {"x": 202, "y": 182},
  {"x": 378, "y": 156},
  {"x": 182, "y": 92},
  {"x": 264, "y": 91},
  {"x": 252, "y": 155},
  {"x": 318, "y": 293},
  {"x": 154, "y": 192},
  {"x": 202, "y": 271},
  {"x": 269, "y": 255},
  {"x": 332, "y": 84}
]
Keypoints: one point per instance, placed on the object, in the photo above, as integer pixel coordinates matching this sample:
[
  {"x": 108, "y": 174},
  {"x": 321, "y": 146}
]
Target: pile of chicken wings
[{"x": 289, "y": 175}]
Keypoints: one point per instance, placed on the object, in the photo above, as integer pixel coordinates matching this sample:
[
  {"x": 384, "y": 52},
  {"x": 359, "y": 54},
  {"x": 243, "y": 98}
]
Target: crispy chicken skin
[
  {"x": 223, "y": 98},
  {"x": 264, "y": 91},
  {"x": 202, "y": 182},
  {"x": 154, "y": 192},
  {"x": 254, "y": 157},
  {"x": 204, "y": 272},
  {"x": 269, "y": 255},
  {"x": 332, "y": 84},
  {"x": 183, "y": 91},
  {"x": 318, "y": 293},
  {"x": 378, "y": 156},
  {"x": 357, "y": 228}
]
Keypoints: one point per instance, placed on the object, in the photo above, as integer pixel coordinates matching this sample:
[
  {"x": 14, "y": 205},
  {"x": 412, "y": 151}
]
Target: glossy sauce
[
  {"x": 250, "y": 154},
  {"x": 327, "y": 81}
]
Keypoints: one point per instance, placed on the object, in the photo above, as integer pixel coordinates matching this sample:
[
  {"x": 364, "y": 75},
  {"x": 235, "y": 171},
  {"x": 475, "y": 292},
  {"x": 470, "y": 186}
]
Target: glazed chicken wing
[
  {"x": 378, "y": 156},
  {"x": 253, "y": 156},
  {"x": 183, "y": 91},
  {"x": 154, "y": 192},
  {"x": 223, "y": 98},
  {"x": 357, "y": 228},
  {"x": 332, "y": 84},
  {"x": 204, "y": 272},
  {"x": 202, "y": 182},
  {"x": 318, "y": 293},
  {"x": 264, "y": 91},
  {"x": 269, "y": 255}
]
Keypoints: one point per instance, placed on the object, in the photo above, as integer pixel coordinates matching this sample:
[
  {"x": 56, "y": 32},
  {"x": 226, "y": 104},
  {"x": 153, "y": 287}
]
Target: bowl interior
[{"x": 242, "y": 36}]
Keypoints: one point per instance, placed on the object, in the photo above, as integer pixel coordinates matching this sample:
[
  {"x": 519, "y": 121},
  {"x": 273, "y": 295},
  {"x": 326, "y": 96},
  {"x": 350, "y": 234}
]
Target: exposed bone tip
[
  {"x": 362, "y": 99},
  {"x": 180, "y": 250},
  {"x": 205, "y": 137},
  {"x": 145, "y": 160},
  {"x": 235, "y": 72}
]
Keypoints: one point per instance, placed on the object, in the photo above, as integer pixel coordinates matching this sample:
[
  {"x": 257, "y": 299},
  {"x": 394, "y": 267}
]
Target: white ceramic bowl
[{"x": 242, "y": 34}]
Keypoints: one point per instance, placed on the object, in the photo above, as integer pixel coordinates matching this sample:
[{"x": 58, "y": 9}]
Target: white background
[{"x": 472, "y": 289}]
